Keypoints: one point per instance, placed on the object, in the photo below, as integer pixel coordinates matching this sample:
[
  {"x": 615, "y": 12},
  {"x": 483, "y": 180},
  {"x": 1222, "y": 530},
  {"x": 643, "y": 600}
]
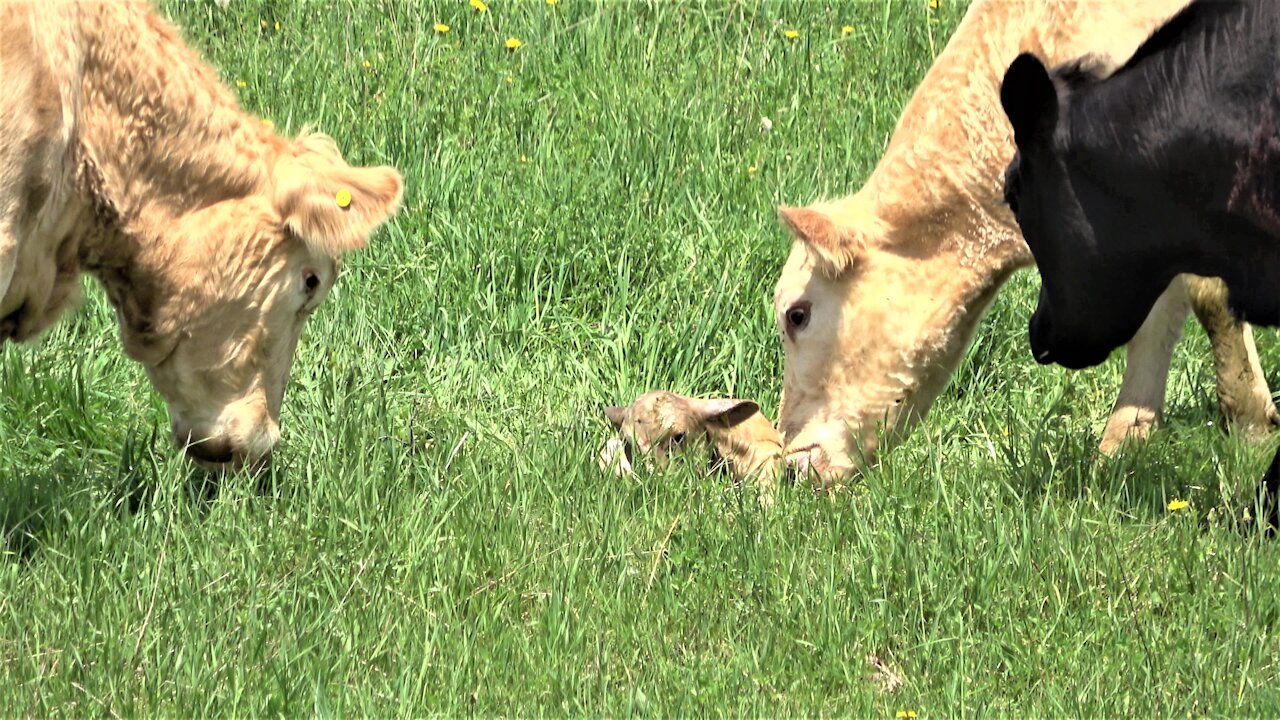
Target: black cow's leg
[{"x": 1243, "y": 396}]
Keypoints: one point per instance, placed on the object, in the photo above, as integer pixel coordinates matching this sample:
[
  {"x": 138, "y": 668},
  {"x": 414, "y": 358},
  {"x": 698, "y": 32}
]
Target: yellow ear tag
[{"x": 344, "y": 198}]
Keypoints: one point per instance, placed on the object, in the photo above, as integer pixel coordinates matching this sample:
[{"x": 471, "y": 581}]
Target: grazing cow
[
  {"x": 884, "y": 288},
  {"x": 124, "y": 157},
  {"x": 660, "y": 423},
  {"x": 1167, "y": 166}
]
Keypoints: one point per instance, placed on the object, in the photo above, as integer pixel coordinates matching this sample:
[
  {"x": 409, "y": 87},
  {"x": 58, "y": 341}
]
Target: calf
[
  {"x": 660, "y": 423},
  {"x": 124, "y": 157}
]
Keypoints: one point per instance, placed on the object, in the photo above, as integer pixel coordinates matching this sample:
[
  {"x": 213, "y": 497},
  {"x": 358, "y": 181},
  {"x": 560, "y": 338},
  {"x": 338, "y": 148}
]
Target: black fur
[{"x": 1170, "y": 165}]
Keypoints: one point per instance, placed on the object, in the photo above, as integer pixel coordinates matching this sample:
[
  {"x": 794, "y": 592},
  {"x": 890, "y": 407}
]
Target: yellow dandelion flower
[
  {"x": 524, "y": 159},
  {"x": 552, "y": 2},
  {"x": 510, "y": 80},
  {"x": 846, "y": 30},
  {"x": 441, "y": 28},
  {"x": 512, "y": 43},
  {"x": 263, "y": 23},
  {"x": 367, "y": 65},
  {"x": 751, "y": 169},
  {"x": 240, "y": 83},
  {"x": 790, "y": 34},
  {"x": 1177, "y": 504},
  {"x": 267, "y": 123},
  {"x": 906, "y": 714},
  {"x": 277, "y": 26},
  {"x": 479, "y": 6},
  {"x": 935, "y": 4}
]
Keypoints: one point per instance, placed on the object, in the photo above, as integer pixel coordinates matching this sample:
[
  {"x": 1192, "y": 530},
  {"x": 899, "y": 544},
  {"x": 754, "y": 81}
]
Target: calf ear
[
  {"x": 1029, "y": 99},
  {"x": 833, "y": 246},
  {"x": 330, "y": 204},
  {"x": 617, "y": 415},
  {"x": 723, "y": 410}
]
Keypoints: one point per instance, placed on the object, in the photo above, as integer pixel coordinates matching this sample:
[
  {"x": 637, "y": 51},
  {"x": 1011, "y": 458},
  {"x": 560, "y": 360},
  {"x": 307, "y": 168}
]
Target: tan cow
[
  {"x": 123, "y": 156},
  {"x": 660, "y": 423},
  {"x": 884, "y": 288}
]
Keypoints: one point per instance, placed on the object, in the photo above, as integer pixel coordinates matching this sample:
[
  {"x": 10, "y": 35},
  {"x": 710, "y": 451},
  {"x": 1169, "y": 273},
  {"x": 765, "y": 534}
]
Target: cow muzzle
[
  {"x": 1038, "y": 338},
  {"x": 226, "y": 452},
  {"x": 1075, "y": 349},
  {"x": 813, "y": 464}
]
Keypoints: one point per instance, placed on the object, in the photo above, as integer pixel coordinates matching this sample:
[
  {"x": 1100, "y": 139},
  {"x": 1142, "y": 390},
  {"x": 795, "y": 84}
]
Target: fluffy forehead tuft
[
  {"x": 660, "y": 413},
  {"x": 246, "y": 239},
  {"x": 660, "y": 407}
]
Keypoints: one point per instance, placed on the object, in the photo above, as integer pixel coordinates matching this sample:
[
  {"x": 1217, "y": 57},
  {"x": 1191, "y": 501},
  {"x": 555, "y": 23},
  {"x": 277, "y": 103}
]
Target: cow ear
[
  {"x": 724, "y": 411},
  {"x": 1030, "y": 100},
  {"x": 328, "y": 203},
  {"x": 834, "y": 247},
  {"x": 617, "y": 415}
]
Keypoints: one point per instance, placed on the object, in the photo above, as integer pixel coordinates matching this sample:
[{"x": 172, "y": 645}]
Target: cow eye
[
  {"x": 798, "y": 316},
  {"x": 311, "y": 281}
]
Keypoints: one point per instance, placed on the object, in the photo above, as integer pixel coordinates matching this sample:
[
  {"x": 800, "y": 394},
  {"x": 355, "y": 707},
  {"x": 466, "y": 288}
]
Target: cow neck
[
  {"x": 944, "y": 160},
  {"x": 962, "y": 257},
  {"x": 158, "y": 135},
  {"x": 960, "y": 199},
  {"x": 958, "y": 221},
  {"x": 1161, "y": 144}
]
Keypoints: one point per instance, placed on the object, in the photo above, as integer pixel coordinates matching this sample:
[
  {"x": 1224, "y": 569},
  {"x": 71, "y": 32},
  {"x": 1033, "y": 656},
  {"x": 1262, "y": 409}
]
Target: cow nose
[
  {"x": 212, "y": 452},
  {"x": 1036, "y": 333},
  {"x": 798, "y": 463},
  {"x": 219, "y": 455},
  {"x": 802, "y": 462}
]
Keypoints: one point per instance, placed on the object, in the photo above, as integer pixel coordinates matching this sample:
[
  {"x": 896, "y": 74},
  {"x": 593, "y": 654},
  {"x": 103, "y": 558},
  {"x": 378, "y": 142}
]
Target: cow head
[
  {"x": 1096, "y": 285},
  {"x": 214, "y": 307},
  {"x": 872, "y": 320}
]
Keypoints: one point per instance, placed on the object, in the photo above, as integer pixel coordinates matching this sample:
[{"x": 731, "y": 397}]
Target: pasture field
[{"x": 588, "y": 216}]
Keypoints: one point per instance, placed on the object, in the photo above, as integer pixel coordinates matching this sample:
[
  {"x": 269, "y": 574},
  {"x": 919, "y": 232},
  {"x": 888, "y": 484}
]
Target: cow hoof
[
  {"x": 1254, "y": 420},
  {"x": 1127, "y": 425}
]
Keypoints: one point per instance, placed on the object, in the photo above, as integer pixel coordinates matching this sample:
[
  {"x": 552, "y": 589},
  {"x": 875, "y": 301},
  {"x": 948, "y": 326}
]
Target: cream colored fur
[
  {"x": 124, "y": 157},
  {"x": 660, "y": 423},
  {"x": 899, "y": 273}
]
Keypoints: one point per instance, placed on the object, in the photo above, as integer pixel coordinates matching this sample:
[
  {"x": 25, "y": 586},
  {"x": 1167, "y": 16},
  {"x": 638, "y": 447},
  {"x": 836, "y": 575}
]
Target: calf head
[
  {"x": 215, "y": 307},
  {"x": 660, "y": 423},
  {"x": 1098, "y": 282}
]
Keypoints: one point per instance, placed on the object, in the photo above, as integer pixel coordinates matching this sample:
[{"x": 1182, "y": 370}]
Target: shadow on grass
[
  {"x": 30, "y": 506},
  {"x": 37, "y": 504},
  {"x": 1143, "y": 477}
]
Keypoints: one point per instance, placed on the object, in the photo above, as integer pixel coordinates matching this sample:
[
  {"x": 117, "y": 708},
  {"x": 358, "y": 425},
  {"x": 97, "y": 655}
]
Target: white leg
[{"x": 1146, "y": 372}]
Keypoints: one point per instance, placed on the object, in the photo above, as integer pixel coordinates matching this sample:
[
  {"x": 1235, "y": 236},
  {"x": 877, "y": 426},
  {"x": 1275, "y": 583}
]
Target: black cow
[{"x": 1170, "y": 165}]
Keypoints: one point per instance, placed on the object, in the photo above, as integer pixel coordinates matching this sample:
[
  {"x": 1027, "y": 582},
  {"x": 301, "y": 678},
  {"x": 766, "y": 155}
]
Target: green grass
[{"x": 582, "y": 224}]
